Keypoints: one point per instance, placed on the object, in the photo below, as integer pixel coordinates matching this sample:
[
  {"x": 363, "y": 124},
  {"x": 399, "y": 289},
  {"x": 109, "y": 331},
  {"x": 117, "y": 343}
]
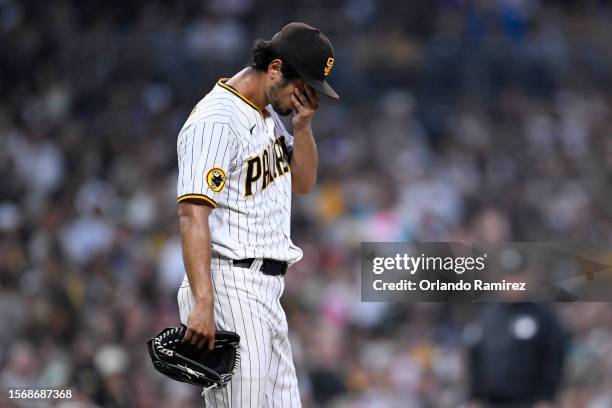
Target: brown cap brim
[{"x": 320, "y": 86}]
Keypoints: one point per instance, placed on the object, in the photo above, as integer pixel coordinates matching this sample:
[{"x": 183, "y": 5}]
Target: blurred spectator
[{"x": 516, "y": 356}]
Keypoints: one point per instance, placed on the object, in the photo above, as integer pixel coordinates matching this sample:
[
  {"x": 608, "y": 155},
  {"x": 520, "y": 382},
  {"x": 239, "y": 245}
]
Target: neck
[{"x": 250, "y": 84}]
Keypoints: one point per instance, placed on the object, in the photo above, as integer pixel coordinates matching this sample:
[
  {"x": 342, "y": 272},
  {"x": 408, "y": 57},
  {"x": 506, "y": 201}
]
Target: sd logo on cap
[{"x": 309, "y": 51}]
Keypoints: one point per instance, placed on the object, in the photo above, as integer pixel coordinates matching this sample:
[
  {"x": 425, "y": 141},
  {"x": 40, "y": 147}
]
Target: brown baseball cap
[{"x": 309, "y": 51}]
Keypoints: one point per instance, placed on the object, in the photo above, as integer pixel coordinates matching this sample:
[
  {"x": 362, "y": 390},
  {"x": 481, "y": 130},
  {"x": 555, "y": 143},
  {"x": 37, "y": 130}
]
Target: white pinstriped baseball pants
[{"x": 248, "y": 302}]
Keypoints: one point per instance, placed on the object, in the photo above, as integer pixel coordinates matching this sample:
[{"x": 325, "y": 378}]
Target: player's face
[{"x": 280, "y": 93}]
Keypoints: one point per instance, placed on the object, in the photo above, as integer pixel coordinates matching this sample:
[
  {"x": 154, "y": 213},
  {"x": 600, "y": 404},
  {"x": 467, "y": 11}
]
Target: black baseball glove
[{"x": 187, "y": 363}]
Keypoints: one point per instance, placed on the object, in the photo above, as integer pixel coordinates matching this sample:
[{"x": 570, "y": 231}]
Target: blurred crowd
[{"x": 459, "y": 121}]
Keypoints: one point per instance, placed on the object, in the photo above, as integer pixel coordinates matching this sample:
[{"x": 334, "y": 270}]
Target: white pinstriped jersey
[{"x": 235, "y": 157}]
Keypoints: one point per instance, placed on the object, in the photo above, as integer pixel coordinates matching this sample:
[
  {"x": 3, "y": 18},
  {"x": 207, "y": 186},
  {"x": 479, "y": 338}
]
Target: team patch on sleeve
[{"x": 215, "y": 178}]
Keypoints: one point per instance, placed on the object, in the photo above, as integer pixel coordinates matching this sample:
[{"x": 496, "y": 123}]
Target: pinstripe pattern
[
  {"x": 248, "y": 302},
  {"x": 224, "y": 132},
  {"x": 218, "y": 134}
]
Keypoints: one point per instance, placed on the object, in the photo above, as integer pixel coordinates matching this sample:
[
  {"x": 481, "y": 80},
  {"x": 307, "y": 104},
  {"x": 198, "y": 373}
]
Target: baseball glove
[{"x": 187, "y": 363}]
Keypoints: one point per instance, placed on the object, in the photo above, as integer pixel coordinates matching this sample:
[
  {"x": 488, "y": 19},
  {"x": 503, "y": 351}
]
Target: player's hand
[
  {"x": 305, "y": 103},
  {"x": 201, "y": 325}
]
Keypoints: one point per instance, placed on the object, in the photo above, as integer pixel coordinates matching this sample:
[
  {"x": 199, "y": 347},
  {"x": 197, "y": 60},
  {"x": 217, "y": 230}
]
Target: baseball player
[{"x": 238, "y": 166}]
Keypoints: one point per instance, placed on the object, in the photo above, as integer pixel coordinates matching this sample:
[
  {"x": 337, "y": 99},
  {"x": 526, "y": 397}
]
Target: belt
[{"x": 268, "y": 266}]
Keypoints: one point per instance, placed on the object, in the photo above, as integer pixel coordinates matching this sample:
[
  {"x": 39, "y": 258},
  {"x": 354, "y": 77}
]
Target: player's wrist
[
  {"x": 205, "y": 300},
  {"x": 299, "y": 127}
]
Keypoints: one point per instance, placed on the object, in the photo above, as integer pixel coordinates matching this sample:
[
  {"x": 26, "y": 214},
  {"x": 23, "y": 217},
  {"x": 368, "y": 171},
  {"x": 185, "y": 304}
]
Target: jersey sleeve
[{"x": 207, "y": 152}]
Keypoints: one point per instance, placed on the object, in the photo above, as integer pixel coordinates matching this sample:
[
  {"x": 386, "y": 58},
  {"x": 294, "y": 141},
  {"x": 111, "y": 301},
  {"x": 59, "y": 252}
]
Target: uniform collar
[{"x": 233, "y": 90}]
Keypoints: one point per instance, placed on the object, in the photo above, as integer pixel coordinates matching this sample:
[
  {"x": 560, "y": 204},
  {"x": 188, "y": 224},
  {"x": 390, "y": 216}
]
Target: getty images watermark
[
  {"x": 423, "y": 264},
  {"x": 446, "y": 271}
]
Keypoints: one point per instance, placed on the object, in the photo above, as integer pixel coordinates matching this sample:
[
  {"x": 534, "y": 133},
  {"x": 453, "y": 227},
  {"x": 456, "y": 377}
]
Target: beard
[
  {"x": 274, "y": 98},
  {"x": 282, "y": 112}
]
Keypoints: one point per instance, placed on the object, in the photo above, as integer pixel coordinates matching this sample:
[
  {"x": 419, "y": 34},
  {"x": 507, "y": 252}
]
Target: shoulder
[
  {"x": 223, "y": 105},
  {"x": 210, "y": 119}
]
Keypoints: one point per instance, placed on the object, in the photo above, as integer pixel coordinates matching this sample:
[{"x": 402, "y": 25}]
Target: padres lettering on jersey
[
  {"x": 235, "y": 158},
  {"x": 266, "y": 167}
]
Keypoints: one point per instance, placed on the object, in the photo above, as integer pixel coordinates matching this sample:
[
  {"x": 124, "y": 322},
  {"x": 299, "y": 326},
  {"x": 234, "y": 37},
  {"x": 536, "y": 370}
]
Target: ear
[{"x": 274, "y": 69}]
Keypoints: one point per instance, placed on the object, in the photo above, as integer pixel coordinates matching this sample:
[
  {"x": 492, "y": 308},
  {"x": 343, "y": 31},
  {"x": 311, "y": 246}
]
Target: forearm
[
  {"x": 304, "y": 160},
  {"x": 196, "y": 245}
]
